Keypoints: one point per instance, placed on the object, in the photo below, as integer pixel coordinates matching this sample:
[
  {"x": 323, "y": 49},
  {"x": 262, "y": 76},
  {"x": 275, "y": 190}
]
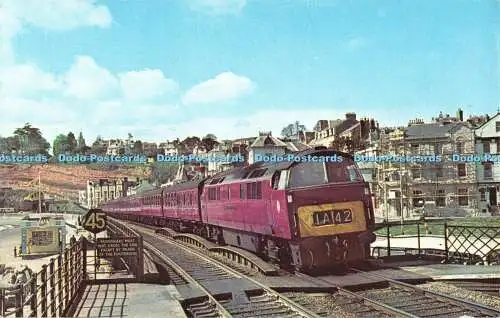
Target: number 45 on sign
[{"x": 94, "y": 221}]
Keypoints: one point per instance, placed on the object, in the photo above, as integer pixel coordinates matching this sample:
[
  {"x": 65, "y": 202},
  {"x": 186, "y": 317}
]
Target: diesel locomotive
[{"x": 310, "y": 214}]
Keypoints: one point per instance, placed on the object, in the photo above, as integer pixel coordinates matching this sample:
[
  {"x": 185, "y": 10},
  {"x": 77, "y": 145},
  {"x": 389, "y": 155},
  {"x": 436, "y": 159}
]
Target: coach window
[
  {"x": 276, "y": 180},
  {"x": 259, "y": 190},
  {"x": 218, "y": 193},
  {"x": 249, "y": 191},
  {"x": 242, "y": 192}
]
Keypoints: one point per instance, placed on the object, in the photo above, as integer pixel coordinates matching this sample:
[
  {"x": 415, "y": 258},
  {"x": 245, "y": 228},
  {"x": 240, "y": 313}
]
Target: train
[{"x": 312, "y": 212}]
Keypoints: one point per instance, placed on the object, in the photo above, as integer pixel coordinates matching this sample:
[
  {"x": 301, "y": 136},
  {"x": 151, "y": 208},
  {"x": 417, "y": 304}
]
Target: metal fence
[
  {"x": 420, "y": 230},
  {"x": 50, "y": 292},
  {"x": 472, "y": 244},
  {"x": 460, "y": 243}
]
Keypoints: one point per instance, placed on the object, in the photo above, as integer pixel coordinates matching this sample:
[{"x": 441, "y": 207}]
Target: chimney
[
  {"x": 460, "y": 114},
  {"x": 350, "y": 116},
  {"x": 125, "y": 186}
]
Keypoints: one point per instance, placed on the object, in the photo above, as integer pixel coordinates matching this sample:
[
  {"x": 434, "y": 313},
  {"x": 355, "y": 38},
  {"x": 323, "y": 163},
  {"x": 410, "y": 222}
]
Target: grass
[{"x": 437, "y": 227}]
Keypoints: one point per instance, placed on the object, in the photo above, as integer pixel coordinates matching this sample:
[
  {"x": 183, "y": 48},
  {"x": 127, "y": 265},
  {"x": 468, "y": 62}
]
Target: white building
[
  {"x": 82, "y": 198},
  {"x": 487, "y": 141},
  {"x": 265, "y": 145}
]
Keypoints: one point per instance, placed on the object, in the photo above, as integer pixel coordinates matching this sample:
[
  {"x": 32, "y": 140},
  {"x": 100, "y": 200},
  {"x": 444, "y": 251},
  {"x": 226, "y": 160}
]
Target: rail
[{"x": 51, "y": 291}]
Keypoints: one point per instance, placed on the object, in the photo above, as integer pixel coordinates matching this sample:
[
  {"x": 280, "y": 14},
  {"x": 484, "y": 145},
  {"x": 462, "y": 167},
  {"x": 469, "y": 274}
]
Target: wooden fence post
[
  {"x": 66, "y": 280},
  {"x": 52, "y": 281},
  {"x": 19, "y": 302},
  {"x": 34, "y": 295},
  {"x": 84, "y": 258},
  {"x": 60, "y": 294},
  {"x": 43, "y": 290}
]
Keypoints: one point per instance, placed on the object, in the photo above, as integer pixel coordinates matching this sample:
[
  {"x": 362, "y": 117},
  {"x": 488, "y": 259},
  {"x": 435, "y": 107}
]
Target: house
[
  {"x": 170, "y": 149},
  {"x": 487, "y": 141},
  {"x": 103, "y": 190},
  {"x": 347, "y": 134},
  {"x": 265, "y": 145},
  {"x": 448, "y": 184}
]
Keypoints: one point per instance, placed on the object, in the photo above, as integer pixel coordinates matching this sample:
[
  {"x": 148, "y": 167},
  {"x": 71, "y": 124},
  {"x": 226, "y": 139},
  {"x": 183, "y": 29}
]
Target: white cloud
[
  {"x": 146, "y": 84},
  {"x": 49, "y": 15},
  {"x": 217, "y": 7},
  {"x": 223, "y": 87},
  {"x": 356, "y": 43},
  {"x": 87, "y": 80},
  {"x": 25, "y": 80},
  {"x": 60, "y": 14}
]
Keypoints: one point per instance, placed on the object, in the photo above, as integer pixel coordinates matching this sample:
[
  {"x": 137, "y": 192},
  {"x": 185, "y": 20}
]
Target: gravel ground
[
  {"x": 481, "y": 298},
  {"x": 336, "y": 305}
]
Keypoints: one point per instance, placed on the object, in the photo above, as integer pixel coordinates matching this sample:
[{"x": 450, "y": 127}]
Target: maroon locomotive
[{"x": 309, "y": 213}]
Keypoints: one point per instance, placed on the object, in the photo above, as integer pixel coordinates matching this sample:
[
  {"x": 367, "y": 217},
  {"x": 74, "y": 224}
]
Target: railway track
[
  {"x": 394, "y": 299},
  {"x": 418, "y": 302},
  {"x": 489, "y": 288},
  {"x": 196, "y": 269}
]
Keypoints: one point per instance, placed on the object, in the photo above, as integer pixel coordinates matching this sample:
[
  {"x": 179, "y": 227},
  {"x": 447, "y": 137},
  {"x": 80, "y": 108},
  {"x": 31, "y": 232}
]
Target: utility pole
[{"x": 39, "y": 194}]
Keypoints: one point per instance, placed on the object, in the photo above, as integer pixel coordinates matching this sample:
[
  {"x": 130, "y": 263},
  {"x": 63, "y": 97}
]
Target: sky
[{"x": 162, "y": 69}]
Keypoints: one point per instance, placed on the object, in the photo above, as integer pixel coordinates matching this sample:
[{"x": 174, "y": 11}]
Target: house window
[
  {"x": 439, "y": 171},
  {"x": 461, "y": 170},
  {"x": 488, "y": 170},
  {"x": 414, "y": 149},
  {"x": 486, "y": 146},
  {"x": 416, "y": 173},
  {"x": 441, "y": 198},
  {"x": 482, "y": 194},
  {"x": 498, "y": 126},
  {"x": 463, "y": 198},
  {"x": 395, "y": 176},
  {"x": 418, "y": 200},
  {"x": 460, "y": 147},
  {"x": 438, "y": 149}
]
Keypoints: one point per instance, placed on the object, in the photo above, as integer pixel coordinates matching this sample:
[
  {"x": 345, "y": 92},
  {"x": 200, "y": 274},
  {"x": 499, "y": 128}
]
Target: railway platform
[
  {"x": 455, "y": 271},
  {"x": 129, "y": 300}
]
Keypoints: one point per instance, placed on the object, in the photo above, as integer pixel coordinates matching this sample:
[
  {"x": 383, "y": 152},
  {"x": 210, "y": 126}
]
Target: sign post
[{"x": 94, "y": 222}]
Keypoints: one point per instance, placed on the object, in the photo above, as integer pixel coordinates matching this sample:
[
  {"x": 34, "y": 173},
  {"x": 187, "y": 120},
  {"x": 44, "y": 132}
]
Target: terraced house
[{"x": 488, "y": 172}]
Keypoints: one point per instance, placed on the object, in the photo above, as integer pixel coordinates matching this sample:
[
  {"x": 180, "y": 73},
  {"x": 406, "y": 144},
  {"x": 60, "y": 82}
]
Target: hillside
[{"x": 64, "y": 180}]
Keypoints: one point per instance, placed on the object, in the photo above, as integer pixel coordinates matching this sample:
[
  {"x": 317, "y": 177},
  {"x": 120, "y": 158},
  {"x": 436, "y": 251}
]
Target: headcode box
[{"x": 117, "y": 247}]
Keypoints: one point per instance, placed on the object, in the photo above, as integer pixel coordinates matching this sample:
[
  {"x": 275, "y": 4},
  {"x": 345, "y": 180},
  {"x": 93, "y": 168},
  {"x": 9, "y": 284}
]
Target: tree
[
  {"x": 292, "y": 130},
  {"x": 60, "y": 145},
  {"x": 130, "y": 137},
  {"x": 190, "y": 142},
  {"x": 99, "y": 147},
  {"x": 208, "y": 142},
  {"x": 138, "y": 149},
  {"x": 4, "y": 146},
  {"x": 81, "y": 145},
  {"x": 72, "y": 143},
  {"x": 211, "y": 136},
  {"x": 31, "y": 140}
]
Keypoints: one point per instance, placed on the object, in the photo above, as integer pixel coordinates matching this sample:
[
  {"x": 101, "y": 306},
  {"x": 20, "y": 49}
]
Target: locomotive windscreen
[{"x": 313, "y": 173}]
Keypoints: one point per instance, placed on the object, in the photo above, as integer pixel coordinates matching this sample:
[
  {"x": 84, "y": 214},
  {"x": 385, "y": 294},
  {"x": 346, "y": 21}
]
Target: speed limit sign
[{"x": 94, "y": 221}]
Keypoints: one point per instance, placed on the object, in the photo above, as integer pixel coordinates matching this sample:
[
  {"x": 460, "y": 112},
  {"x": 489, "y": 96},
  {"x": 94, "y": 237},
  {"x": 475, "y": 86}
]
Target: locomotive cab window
[{"x": 316, "y": 173}]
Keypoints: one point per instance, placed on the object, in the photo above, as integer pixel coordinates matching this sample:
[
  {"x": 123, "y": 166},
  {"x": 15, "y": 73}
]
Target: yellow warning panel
[{"x": 331, "y": 219}]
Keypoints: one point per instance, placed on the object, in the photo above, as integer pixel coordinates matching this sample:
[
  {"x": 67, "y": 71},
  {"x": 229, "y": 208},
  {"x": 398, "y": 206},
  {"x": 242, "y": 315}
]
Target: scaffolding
[{"x": 410, "y": 186}]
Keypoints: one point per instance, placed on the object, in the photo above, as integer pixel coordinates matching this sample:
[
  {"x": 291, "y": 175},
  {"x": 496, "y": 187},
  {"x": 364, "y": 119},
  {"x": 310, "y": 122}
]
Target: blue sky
[{"x": 165, "y": 69}]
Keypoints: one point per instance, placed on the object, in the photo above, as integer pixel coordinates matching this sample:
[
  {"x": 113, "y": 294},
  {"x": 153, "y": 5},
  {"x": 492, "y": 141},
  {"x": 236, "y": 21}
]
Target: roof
[
  {"x": 296, "y": 145},
  {"x": 433, "y": 130},
  {"x": 184, "y": 186},
  {"x": 267, "y": 140}
]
